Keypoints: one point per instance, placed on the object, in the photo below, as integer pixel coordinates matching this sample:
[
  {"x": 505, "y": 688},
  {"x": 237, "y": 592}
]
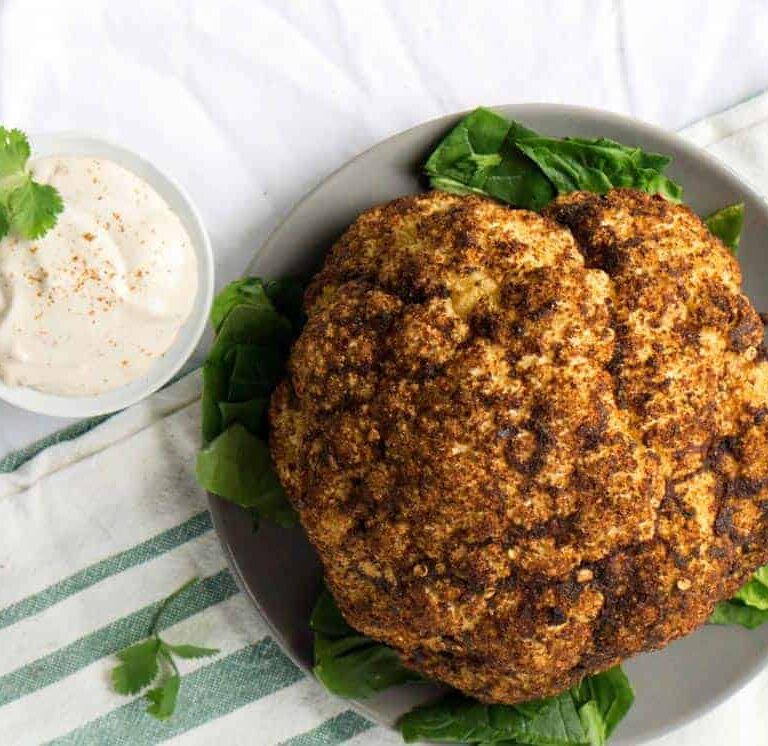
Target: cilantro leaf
[
  {"x": 190, "y": 651},
  {"x": 163, "y": 698},
  {"x": 14, "y": 151},
  {"x": 144, "y": 661},
  {"x": 27, "y": 207},
  {"x": 139, "y": 667},
  {"x": 33, "y": 208}
]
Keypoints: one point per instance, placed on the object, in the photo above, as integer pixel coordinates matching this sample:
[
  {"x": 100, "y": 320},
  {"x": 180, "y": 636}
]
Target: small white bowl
[{"x": 165, "y": 367}]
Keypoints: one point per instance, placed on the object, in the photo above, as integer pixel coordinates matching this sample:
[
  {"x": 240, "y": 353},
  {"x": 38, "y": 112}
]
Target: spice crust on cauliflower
[{"x": 527, "y": 446}]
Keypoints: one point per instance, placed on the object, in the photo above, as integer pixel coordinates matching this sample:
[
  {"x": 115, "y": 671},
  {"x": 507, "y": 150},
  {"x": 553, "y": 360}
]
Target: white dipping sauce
[{"x": 90, "y": 306}]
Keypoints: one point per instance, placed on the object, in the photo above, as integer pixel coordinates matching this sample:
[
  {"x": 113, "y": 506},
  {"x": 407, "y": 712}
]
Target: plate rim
[{"x": 610, "y": 118}]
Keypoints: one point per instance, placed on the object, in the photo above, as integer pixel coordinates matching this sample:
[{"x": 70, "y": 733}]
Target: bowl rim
[
  {"x": 190, "y": 332},
  {"x": 610, "y": 117}
]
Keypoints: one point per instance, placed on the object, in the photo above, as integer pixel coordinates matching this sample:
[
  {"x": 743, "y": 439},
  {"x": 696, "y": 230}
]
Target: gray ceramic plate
[{"x": 278, "y": 570}]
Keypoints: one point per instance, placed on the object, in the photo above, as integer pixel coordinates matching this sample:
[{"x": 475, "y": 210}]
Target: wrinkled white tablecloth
[{"x": 250, "y": 103}]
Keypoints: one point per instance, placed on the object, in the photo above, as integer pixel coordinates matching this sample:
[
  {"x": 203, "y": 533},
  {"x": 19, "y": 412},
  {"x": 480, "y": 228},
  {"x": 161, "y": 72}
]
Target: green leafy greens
[
  {"x": 573, "y": 164},
  {"x": 354, "y": 666},
  {"x": 255, "y": 324},
  {"x": 480, "y": 155},
  {"x": 727, "y": 225},
  {"x": 585, "y": 715},
  {"x": 348, "y": 663},
  {"x": 142, "y": 663},
  {"x": 489, "y": 154},
  {"x": 749, "y": 607},
  {"x": 27, "y": 208}
]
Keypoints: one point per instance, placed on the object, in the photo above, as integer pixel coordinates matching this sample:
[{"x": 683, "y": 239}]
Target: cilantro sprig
[
  {"x": 152, "y": 662},
  {"x": 27, "y": 208}
]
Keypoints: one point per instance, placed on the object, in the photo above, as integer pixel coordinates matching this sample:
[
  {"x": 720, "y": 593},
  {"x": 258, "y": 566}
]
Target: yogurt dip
[{"x": 88, "y": 307}]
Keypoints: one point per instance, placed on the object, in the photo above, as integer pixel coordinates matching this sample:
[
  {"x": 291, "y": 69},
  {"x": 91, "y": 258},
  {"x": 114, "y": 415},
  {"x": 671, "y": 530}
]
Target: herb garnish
[
  {"x": 27, "y": 208},
  {"x": 142, "y": 663}
]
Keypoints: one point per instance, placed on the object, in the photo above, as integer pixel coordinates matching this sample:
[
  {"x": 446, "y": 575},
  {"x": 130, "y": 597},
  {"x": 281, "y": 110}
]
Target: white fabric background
[{"x": 249, "y": 103}]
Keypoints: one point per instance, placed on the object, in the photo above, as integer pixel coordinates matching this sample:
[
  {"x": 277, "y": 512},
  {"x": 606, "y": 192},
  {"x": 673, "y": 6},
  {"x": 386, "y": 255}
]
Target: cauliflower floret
[{"x": 525, "y": 446}]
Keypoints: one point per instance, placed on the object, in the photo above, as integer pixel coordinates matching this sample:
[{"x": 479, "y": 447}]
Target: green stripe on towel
[
  {"x": 14, "y": 460},
  {"x": 212, "y": 691},
  {"x": 17, "y": 459},
  {"x": 164, "y": 542},
  {"x": 115, "y": 636},
  {"x": 334, "y": 730}
]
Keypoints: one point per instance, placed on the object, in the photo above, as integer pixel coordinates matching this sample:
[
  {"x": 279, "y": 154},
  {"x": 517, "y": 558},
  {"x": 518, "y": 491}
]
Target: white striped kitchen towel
[{"x": 102, "y": 521}]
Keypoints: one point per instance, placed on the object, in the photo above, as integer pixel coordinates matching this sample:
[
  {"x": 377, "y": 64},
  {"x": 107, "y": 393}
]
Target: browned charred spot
[
  {"x": 724, "y": 521},
  {"x": 570, "y": 590},
  {"x": 538, "y": 426},
  {"x": 744, "y": 487},
  {"x": 718, "y": 450},
  {"x": 590, "y": 435},
  {"x": 556, "y": 616},
  {"x": 485, "y": 325},
  {"x": 717, "y": 553}
]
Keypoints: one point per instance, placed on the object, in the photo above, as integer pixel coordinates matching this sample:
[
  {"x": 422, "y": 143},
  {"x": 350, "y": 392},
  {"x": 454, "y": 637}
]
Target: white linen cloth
[
  {"x": 249, "y": 104},
  {"x": 95, "y": 529}
]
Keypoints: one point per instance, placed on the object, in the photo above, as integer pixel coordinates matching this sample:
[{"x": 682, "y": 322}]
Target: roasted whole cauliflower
[{"x": 527, "y": 446}]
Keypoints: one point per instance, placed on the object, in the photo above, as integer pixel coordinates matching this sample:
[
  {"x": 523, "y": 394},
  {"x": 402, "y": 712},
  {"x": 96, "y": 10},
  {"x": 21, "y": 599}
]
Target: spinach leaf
[
  {"x": 246, "y": 324},
  {"x": 479, "y": 155},
  {"x": 488, "y": 154},
  {"x": 215, "y": 386},
  {"x": 598, "y": 166},
  {"x": 735, "y": 612},
  {"x": 348, "y": 663},
  {"x": 727, "y": 225},
  {"x": 287, "y": 296},
  {"x": 611, "y": 694},
  {"x": 248, "y": 291},
  {"x": 252, "y": 414},
  {"x": 594, "y": 725},
  {"x": 255, "y": 324},
  {"x": 749, "y": 606},
  {"x": 355, "y": 667},
  {"x": 326, "y": 618},
  {"x": 586, "y": 715},
  {"x": 753, "y": 593},
  {"x": 236, "y": 465},
  {"x": 256, "y": 370},
  {"x": 458, "y": 719}
]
